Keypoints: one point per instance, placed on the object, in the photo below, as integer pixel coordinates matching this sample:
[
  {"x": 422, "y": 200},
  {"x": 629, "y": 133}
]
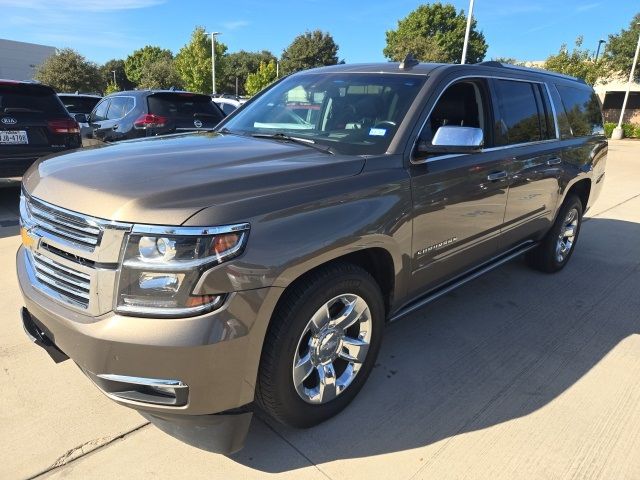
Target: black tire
[
  {"x": 275, "y": 391},
  {"x": 546, "y": 257}
]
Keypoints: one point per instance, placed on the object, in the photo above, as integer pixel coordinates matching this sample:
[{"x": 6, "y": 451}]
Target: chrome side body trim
[{"x": 462, "y": 279}]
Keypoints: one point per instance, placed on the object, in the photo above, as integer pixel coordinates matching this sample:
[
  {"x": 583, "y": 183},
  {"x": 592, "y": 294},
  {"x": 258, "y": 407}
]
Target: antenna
[{"x": 408, "y": 62}]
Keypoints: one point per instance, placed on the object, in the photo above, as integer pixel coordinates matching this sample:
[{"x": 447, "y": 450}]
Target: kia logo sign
[
  {"x": 9, "y": 121},
  {"x": 197, "y": 123}
]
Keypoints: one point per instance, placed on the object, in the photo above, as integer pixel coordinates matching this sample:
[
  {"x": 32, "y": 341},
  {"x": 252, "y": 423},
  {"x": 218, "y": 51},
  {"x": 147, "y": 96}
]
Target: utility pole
[
  {"x": 618, "y": 133},
  {"x": 114, "y": 77},
  {"x": 213, "y": 61},
  {"x": 466, "y": 33}
]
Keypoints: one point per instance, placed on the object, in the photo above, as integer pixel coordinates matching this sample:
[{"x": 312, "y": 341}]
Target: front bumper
[{"x": 215, "y": 356}]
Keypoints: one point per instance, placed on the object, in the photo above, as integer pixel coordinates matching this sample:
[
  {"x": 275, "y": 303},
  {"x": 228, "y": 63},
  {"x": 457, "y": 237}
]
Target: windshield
[{"x": 353, "y": 113}]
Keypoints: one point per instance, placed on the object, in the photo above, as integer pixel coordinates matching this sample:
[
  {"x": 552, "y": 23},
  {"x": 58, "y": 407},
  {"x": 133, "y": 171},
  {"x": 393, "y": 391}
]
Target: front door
[{"x": 459, "y": 201}]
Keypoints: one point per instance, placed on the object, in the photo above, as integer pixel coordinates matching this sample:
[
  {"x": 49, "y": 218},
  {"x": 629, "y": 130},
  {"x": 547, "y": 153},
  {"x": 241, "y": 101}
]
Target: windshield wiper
[{"x": 297, "y": 140}]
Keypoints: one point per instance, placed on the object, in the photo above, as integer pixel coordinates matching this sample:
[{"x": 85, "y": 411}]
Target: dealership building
[{"x": 19, "y": 60}]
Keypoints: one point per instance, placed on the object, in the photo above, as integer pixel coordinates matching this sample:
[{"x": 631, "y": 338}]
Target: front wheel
[
  {"x": 558, "y": 245},
  {"x": 321, "y": 346}
]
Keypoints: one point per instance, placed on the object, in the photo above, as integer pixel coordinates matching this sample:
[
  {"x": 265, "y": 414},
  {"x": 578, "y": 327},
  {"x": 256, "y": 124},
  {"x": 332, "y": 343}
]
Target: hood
[{"x": 165, "y": 180}]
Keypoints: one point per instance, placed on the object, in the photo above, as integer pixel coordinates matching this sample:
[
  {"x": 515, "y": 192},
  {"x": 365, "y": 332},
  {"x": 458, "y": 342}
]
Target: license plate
[{"x": 14, "y": 137}]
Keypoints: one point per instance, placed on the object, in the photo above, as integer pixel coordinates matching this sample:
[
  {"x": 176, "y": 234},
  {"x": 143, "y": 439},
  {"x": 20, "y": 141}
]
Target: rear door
[
  {"x": 98, "y": 117},
  {"x": 112, "y": 128},
  {"x": 526, "y": 129},
  {"x": 459, "y": 200},
  {"x": 183, "y": 111}
]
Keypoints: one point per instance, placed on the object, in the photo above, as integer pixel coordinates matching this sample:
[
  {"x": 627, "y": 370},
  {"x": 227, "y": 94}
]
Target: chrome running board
[{"x": 462, "y": 279}]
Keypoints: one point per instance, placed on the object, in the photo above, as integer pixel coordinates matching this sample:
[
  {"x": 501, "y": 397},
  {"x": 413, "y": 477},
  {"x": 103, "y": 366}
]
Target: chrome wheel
[
  {"x": 332, "y": 349},
  {"x": 567, "y": 236}
]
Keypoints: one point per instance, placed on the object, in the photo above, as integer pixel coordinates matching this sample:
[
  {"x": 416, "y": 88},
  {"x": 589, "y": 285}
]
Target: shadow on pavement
[
  {"x": 497, "y": 349},
  {"x": 9, "y": 211}
]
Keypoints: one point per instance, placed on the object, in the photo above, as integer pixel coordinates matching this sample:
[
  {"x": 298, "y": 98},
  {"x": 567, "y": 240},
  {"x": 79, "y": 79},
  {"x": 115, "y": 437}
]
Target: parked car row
[{"x": 35, "y": 122}]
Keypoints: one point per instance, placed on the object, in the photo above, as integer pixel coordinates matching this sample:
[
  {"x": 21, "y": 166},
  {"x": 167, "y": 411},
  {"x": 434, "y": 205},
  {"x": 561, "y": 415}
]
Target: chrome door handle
[
  {"x": 492, "y": 177},
  {"x": 554, "y": 161}
]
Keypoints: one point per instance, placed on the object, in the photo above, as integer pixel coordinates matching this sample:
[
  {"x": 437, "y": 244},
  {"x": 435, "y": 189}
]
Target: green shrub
[
  {"x": 629, "y": 130},
  {"x": 608, "y": 128},
  {"x": 637, "y": 131}
]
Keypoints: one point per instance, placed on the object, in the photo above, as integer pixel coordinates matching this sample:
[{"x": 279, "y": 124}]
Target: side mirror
[
  {"x": 452, "y": 140},
  {"x": 81, "y": 118}
]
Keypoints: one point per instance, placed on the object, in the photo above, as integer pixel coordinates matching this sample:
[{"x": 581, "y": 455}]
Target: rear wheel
[
  {"x": 558, "y": 245},
  {"x": 321, "y": 346}
]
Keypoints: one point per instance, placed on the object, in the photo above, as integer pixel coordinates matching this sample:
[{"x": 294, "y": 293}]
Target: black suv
[
  {"x": 80, "y": 103},
  {"x": 147, "y": 113},
  {"x": 33, "y": 123}
]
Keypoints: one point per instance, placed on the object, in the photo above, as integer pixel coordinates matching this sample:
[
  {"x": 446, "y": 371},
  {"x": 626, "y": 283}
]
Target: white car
[{"x": 229, "y": 105}]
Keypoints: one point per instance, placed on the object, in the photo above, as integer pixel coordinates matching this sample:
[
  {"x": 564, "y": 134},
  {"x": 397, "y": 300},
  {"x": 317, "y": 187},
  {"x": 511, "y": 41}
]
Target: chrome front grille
[
  {"x": 72, "y": 285},
  {"x": 71, "y": 257},
  {"x": 65, "y": 225}
]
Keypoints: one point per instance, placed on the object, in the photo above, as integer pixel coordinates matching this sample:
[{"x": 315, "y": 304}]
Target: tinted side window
[
  {"x": 583, "y": 110},
  {"x": 100, "y": 113},
  {"x": 521, "y": 120},
  {"x": 463, "y": 104},
  {"x": 119, "y": 107}
]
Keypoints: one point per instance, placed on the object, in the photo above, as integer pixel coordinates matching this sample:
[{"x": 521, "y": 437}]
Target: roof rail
[{"x": 493, "y": 63}]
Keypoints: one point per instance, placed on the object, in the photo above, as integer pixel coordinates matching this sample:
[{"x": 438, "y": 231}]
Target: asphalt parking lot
[{"x": 516, "y": 375}]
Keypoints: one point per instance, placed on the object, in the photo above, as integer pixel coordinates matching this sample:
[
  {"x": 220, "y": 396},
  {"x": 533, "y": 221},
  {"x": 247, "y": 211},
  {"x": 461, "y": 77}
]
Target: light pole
[
  {"x": 466, "y": 33},
  {"x": 618, "y": 133},
  {"x": 213, "y": 61},
  {"x": 600, "y": 42}
]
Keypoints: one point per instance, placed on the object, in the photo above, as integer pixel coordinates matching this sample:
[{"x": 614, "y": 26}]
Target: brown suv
[{"x": 197, "y": 276}]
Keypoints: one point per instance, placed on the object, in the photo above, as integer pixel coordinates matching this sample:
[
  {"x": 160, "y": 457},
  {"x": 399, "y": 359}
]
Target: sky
[{"x": 105, "y": 29}]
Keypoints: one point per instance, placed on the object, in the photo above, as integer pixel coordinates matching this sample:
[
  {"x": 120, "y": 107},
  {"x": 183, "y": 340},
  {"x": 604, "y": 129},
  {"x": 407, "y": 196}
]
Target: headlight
[{"x": 161, "y": 266}]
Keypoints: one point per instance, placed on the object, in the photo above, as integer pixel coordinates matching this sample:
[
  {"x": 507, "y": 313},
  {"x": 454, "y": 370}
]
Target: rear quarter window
[
  {"x": 582, "y": 107},
  {"x": 21, "y": 98}
]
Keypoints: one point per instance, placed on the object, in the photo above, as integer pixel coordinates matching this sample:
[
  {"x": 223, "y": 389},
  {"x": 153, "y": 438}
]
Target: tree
[
  {"x": 577, "y": 63},
  {"x": 435, "y": 33},
  {"x": 160, "y": 74},
  {"x": 265, "y": 75},
  {"x": 239, "y": 65},
  {"x": 68, "y": 71},
  {"x": 193, "y": 62},
  {"x": 309, "y": 50},
  {"x": 137, "y": 62},
  {"x": 116, "y": 65},
  {"x": 621, "y": 48},
  {"x": 111, "y": 87}
]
